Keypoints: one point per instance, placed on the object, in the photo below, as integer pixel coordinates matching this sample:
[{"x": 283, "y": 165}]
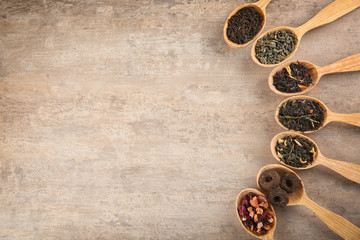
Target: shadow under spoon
[
  {"x": 336, "y": 223},
  {"x": 349, "y": 170}
]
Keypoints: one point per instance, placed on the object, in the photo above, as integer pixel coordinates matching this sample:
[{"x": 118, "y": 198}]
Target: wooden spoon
[
  {"x": 349, "y": 170},
  {"x": 270, "y": 234},
  {"x": 259, "y": 7},
  {"x": 330, "y": 13},
  {"x": 348, "y": 64},
  {"x": 329, "y": 116},
  {"x": 336, "y": 223}
]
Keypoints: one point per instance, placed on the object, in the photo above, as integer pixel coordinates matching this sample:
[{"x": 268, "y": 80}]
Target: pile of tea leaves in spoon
[
  {"x": 301, "y": 115},
  {"x": 274, "y": 47},
  {"x": 244, "y": 25},
  {"x": 293, "y": 78},
  {"x": 295, "y": 151}
]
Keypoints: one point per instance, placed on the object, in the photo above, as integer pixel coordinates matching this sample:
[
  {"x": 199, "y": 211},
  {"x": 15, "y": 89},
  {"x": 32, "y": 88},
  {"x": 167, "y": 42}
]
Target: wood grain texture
[
  {"x": 332, "y": 12},
  {"x": 134, "y": 120},
  {"x": 348, "y": 64}
]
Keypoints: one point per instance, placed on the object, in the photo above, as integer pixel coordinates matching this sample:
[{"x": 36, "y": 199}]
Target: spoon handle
[
  {"x": 336, "y": 223},
  {"x": 347, "y": 169},
  {"x": 353, "y": 119},
  {"x": 330, "y": 13},
  {"x": 268, "y": 237},
  {"x": 262, "y": 4},
  {"x": 348, "y": 64}
]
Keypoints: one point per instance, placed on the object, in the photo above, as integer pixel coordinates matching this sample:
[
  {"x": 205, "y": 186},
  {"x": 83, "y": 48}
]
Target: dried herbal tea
[
  {"x": 274, "y": 47},
  {"x": 244, "y": 25},
  {"x": 301, "y": 115},
  {"x": 256, "y": 214},
  {"x": 293, "y": 78},
  {"x": 295, "y": 151}
]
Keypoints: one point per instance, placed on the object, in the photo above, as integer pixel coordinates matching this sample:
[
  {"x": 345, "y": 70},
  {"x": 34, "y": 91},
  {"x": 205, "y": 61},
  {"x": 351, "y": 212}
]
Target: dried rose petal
[{"x": 243, "y": 212}]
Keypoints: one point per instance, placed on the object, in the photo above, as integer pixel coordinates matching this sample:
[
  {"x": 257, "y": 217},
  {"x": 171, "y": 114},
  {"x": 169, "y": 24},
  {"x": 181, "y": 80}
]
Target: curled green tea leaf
[{"x": 274, "y": 47}]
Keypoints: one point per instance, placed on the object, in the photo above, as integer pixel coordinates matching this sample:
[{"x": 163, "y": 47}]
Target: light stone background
[{"x": 134, "y": 120}]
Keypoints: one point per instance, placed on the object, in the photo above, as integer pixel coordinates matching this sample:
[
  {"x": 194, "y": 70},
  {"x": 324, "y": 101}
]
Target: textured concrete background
[{"x": 134, "y": 120}]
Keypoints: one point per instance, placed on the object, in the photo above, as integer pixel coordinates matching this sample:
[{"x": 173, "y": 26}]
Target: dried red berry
[{"x": 255, "y": 213}]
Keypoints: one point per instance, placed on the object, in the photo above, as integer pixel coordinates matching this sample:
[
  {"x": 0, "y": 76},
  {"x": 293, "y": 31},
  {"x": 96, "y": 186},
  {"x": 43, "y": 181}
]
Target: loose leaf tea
[
  {"x": 295, "y": 151},
  {"x": 256, "y": 214},
  {"x": 274, "y": 47},
  {"x": 244, "y": 25},
  {"x": 301, "y": 115},
  {"x": 293, "y": 78}
]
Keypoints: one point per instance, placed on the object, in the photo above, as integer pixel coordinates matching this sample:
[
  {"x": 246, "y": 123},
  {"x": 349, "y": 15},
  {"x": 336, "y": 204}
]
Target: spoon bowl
[
  {"x": 329, "y": 116},
  {"x": 313, "y": 71},
  {"x": 349, "y": 170},
  {"x": 296, "y": 34},
  {"x": 336, "y": 223},
  {"x": 294, "y": 197},
  {"x": 260, "y": 7},
  {"x": 322, "y": 105},
  {"x": 270, "y": 234},
  {"x": 330, "y": 13},
  {"x": 294, "y": 134},
  {"x": 348, "y": 64}
]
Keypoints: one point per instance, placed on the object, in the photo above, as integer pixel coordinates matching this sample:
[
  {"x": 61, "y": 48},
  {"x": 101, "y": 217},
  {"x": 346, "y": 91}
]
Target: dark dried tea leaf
[
  {"x": 301, "y": 115},
  {"x": 274, "y": 47},
  {"x": 295, "y": 151},
  {"x": 244, "y": 25},
  {"x": 293, "y": 78}
]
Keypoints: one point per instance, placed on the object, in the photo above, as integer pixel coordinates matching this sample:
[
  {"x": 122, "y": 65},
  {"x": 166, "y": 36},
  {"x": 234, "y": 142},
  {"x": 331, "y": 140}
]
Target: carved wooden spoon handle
[
  {"x": 348, "y": 64},
  {"x": 353, "y": 119},
  {"x": 336, "y": 223},
  {"x": 330, "y": 13},
  {"x": 347, "y": 169},
  {"x": 262, "y": 4}
]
